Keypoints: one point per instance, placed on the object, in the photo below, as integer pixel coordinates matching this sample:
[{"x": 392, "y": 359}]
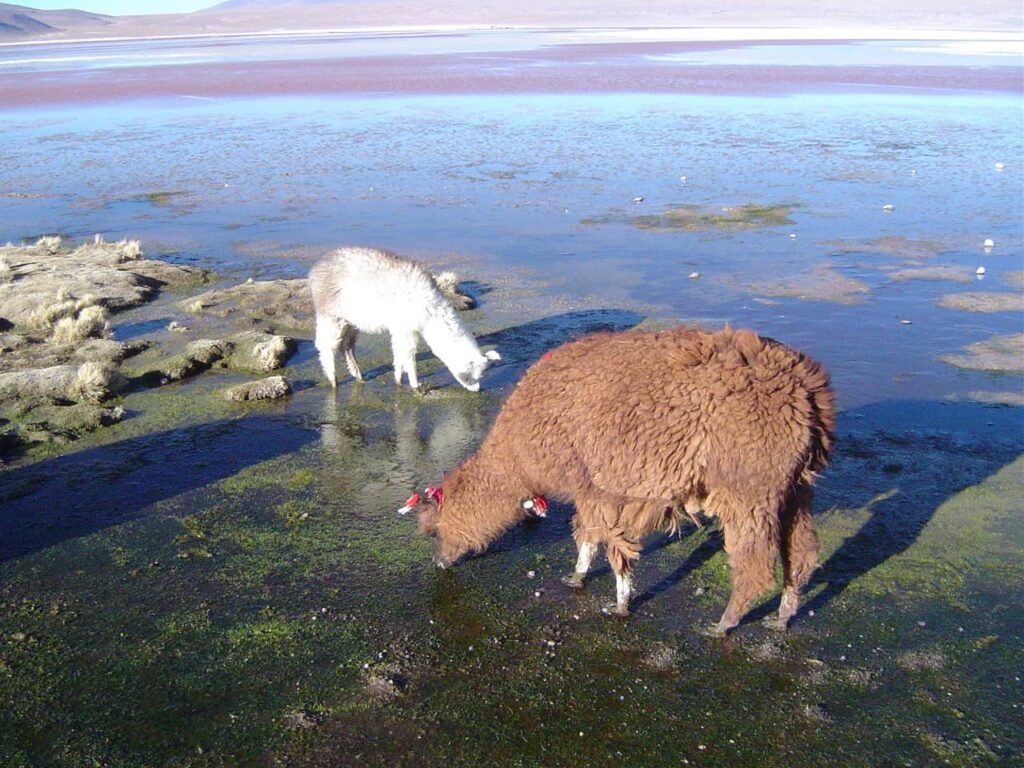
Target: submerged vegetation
[{"x": 696, "y": 218}]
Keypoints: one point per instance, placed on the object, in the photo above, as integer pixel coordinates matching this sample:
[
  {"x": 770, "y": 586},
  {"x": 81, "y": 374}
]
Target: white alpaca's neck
[{"x": 449, "y": 339}]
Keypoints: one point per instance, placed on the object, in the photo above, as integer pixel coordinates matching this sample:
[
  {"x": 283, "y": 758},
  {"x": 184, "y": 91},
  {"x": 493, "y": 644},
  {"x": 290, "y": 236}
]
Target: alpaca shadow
[
  {"x": 901, "y": 461},
  {"x": 521, "y": 345},
  {"x": 81, "y": 493},
  {"x": 705, "y": 551}
]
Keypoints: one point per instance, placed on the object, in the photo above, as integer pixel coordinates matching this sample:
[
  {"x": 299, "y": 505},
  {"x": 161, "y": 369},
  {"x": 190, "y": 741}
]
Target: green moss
[
  {"x": 163, "y": 198},
  {"x": 696, "y": 218}
]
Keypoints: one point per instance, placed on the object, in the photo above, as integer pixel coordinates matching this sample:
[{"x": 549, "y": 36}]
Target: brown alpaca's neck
[{"x": 481, "y": 503}]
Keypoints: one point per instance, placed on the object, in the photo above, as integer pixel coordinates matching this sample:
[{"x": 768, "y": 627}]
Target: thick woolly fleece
[
  {"x": 366, "y": 289},
  {"x": 632, "y": 426}
]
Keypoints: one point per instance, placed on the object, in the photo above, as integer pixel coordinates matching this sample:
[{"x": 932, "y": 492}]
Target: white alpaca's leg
[
  {"x": 328, "y": 335},
  {"x": 410, "y": 364},
  {"x": 402, "y": 347},
  {"x": 349, "y": 333}
]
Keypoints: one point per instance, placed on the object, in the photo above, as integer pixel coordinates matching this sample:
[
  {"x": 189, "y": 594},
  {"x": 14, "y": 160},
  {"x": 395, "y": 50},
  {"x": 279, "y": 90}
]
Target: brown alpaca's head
[
  {"x": 470, "y": 512},
  {"x": 448, "y": 546}
]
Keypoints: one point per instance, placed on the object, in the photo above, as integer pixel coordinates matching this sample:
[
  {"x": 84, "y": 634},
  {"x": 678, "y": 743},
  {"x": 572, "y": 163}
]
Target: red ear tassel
[
  {"x": 536, "y": 505},
  {"x": 435, "y": 493},
  {"x": 410, "y": 504}
]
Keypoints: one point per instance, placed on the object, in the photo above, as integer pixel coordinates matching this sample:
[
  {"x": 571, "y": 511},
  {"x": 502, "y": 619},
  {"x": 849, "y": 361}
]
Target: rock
[
  {"x": 284, "y": 303},
  {"x": 448, "y": 284},
  {"x": 44, "y": 276},
  {"x": 89, "y": 382},
  {"x": 71, "y": 421},
  {"x": 162, "y": 273},
  {"x": 260, "y": 351},
  {"x": 270, "y": 388},
  {"x": 208, "y": 351}
]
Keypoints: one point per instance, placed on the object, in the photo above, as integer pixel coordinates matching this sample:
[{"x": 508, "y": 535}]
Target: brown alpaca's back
[{"x": 657, "y": 415}]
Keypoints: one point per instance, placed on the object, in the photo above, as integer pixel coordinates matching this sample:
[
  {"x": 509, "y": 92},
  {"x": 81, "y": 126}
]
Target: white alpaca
[{"x": 365, "y": 289}]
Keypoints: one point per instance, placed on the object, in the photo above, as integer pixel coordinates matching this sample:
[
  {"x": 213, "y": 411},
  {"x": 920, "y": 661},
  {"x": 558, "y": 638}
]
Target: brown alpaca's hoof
[
  {"x": 715, "y": 631},
  {"x": 573, "y": 581},
  {"x": 614, "y": 609},
  {"x": 775, "y": 624}
]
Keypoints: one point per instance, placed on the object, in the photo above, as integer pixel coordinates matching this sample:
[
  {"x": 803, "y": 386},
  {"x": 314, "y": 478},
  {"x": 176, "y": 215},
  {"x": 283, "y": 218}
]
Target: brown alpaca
[{"x": 633, "y": 428}]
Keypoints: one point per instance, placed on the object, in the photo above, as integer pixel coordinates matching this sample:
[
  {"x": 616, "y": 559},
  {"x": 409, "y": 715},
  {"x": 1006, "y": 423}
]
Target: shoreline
[{"x": 610, "y": 34}]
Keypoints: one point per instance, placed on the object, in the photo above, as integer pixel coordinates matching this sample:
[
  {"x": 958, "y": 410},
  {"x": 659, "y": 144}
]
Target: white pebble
[
  {"x": 531, "y": 574},
  {"x": 989, "y": 242},
  {"x": 979, "y": 271}
]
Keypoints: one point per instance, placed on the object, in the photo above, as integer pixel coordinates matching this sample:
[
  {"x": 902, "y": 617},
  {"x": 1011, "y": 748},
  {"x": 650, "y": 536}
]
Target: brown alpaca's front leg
[{"x": 587, "y": 550}]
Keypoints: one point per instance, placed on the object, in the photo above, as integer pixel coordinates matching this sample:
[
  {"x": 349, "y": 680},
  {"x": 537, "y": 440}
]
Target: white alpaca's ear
[{"x": 492, "y": 354}]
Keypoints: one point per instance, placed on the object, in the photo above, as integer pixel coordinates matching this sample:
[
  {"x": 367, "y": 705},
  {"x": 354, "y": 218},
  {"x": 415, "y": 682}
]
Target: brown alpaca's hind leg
[
  {"x": 752, "y": 544},
  {"x": 799, "y": 555},
  {"x": 621, "y": 554}
]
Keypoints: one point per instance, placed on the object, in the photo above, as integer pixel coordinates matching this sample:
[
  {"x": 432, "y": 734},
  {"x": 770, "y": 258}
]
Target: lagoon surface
[{"x": 204, "y": 584}]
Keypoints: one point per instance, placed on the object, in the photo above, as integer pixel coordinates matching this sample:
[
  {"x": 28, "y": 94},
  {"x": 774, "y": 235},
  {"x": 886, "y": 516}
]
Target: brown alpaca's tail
[{"x": 822, "y": 401}]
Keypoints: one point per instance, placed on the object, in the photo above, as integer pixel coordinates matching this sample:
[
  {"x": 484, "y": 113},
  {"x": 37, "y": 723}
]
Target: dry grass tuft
[
  {"x": 50, "y": 244},
  {"x": 129, "y": 250},
  {"x": 93, "y": 382},
  {"x": 91, "y": 322},
  {"x": 64, "y": 306},
  {"x": 6, "y": 273}
]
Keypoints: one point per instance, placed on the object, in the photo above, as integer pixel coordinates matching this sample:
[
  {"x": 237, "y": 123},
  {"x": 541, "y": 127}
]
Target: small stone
[
  {"x": 531, "y": 574},
  {"x": 698, "y": 591},
  {"x": 270, "y": 388},
  {"x": 979, "y": 271},
  {"x": 922, "y": 623}
]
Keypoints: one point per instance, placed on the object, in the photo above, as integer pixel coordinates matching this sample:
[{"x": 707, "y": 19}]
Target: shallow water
[{"x": 247, "y": 594}]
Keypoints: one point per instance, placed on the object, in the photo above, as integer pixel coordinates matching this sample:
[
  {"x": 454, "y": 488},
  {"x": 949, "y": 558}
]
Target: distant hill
[
  {"x": 17, "y": 21},
  {"x": 254, "y": 5}
]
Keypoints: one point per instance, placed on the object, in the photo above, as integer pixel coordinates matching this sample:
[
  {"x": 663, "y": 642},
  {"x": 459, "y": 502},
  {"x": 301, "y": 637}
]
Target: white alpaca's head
[
  {"x": 469, "y": 375},
  {"x": 457, "y": 349}
]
